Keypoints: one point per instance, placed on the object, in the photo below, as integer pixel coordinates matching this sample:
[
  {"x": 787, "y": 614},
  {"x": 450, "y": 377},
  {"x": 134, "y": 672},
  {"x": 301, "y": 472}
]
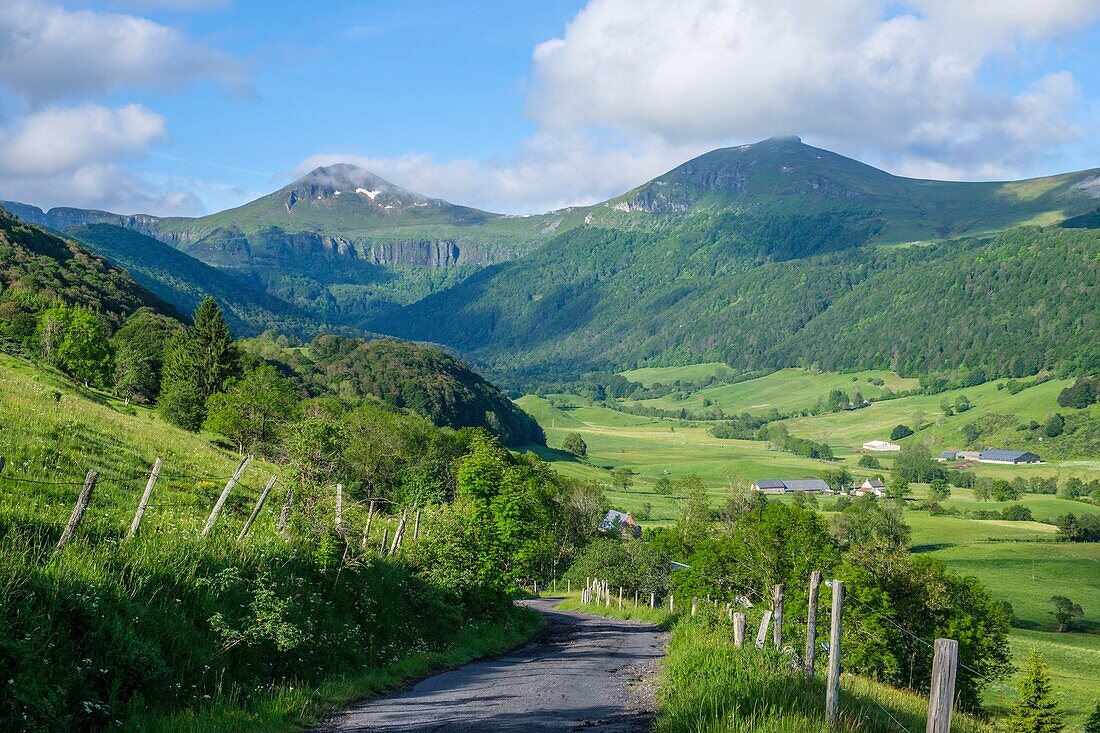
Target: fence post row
[
  {"x": 811, "y": 623},
  {"x": 225, "y": 495},
  {"x": 144, "y": 501},
  {"x": 256, "y": 510},
  {"x": 942, "y": 693},
  {"x": 79, "y": 509},
  {"x": 832, "y": 686}
]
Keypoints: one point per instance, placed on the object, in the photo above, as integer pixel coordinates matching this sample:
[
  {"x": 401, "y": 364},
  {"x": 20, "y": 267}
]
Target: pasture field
[
  {"x": 787, "y": 390},
  {"x": 1019, "y": 561},
  {"x": 649, "y": 376}
]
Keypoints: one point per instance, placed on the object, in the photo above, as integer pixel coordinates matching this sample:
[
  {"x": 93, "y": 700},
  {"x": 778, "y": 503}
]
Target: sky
[{"x": 185, "y": 107}]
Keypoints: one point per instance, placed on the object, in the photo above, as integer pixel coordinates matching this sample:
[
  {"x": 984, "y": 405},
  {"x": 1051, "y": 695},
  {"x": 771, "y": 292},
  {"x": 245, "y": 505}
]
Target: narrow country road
[{"x": 584, "y": 673}]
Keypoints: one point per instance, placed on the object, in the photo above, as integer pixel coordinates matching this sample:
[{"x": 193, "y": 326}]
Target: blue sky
[{"x": 191, "y": 106}]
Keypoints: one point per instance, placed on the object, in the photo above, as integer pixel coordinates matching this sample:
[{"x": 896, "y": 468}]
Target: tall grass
[
  {"x": 707, "y": 684},
  {"x": 170, "y": 631}
]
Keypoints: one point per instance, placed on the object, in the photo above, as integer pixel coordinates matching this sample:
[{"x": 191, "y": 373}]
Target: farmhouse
[
  {"x": 789, "y": 486},
  {"x": 620, "y": 522},
  {"x": 1008, "y": 456},
  {"x": 881, "y": 445},
  {"x": 872, "y": 486}
]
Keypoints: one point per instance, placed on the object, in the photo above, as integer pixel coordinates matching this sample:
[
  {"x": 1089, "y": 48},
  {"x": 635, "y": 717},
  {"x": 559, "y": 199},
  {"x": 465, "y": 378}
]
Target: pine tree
[
  {"x": 198, "y": 362},
  {"x": 1036, "y": 711},
  {"x": 218, "y": 358},
  {"x": 1092, "y": 725}
]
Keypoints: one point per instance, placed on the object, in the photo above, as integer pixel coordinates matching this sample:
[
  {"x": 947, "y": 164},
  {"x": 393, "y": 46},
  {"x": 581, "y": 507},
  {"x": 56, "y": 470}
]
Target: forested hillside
[
  {"x": 184, "y": 281},
  {"x": 39, "y": 272},
  {"x": 606, "y": 300},
  {"x": 422, "y": 379}
]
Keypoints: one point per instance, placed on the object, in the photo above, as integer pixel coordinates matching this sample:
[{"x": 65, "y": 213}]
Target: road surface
[{"x": 584, "y": 673}]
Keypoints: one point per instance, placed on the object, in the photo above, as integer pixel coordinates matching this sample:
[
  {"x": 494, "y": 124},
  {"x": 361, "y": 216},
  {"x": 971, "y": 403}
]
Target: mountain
[
  {"x": 184, "y": 281},
  {"x": 736, "y": 255},
  {"x": 38, "y": 269},
  {"x": 340, "y": 242},
  {"x": 780, "y": 254}
]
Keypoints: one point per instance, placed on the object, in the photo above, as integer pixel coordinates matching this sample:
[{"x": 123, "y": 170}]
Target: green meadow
[
  {"x": 786, "y": 390},
  {"x": 1020, "y": 561}
]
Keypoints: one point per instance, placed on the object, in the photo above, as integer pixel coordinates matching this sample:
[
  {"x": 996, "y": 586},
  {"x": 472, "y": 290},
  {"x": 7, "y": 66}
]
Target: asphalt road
[{"x": 583, "y": 673}]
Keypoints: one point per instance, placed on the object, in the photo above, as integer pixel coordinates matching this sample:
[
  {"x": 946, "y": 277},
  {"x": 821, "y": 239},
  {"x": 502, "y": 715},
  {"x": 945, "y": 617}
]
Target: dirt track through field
[{"x": 583, "y": 673}]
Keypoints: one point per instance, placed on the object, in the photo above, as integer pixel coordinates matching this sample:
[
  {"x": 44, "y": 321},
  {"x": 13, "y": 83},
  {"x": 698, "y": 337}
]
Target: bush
[
  {"x": 635, "y": 566},
  {"x": 900, "y": 431}
]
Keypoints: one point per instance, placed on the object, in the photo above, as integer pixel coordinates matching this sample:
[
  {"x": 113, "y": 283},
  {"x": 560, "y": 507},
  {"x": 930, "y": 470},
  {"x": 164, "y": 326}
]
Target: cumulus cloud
[
  {"x": 549, "y": 171},
  {"x": 58, "y": 139},
  {"x": 49, "y": 53},
  {"x": 864, "y": 76},
  {"x": 899, "y": 85},
  {"x": 56, "y": 147}
]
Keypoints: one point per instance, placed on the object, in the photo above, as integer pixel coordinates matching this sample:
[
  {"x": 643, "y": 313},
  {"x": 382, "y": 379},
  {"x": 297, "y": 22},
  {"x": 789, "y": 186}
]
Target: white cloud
[
  {"x": 59, "y": 139},
  {"x": 855, "y": 74},
  {"x": 548, "y": 172},
  {"x": 899, "y": 85},
  {"x": 99, "y": 186},
  {"x": 50, "y": 53}
]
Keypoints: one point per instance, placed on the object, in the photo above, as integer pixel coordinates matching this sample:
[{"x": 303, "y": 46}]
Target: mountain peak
[{"x": 350, "y": 180}]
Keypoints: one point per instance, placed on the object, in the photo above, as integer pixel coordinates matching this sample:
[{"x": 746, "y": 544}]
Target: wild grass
[{"x": 171, "y": 631}]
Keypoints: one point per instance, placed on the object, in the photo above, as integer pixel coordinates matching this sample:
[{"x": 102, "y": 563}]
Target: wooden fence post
[
  {"x": 811, "y": 623},
  {"x": 398, "y": 533},
  {"x": 694, "y": 602},
  {"x": 777, "y": 616},
  {"x": 832, "y": 685},
  {"x": 224, "y": 495},
  {"x": 942, "y": 692},
  {"x": 416, "y": 526},
  {"x": 284, "y": 515},
  {"x": 339, "y": 507},
  {"x": 80, "y": 507},
  {"x": 762, "y": 633},
  {"x": 620, "y": 597},
  {"x": 385, "y": 534},
  {"x": 635, "y": 599},
  {"x": 652, "y": 599},
  {"x": 568, "y": 585},
  {"x": 144, "y": 501},
  {"x": 256, "y": 510},
  {"x": 366, "y": 527},
  {"x": 739, "y": 629}
]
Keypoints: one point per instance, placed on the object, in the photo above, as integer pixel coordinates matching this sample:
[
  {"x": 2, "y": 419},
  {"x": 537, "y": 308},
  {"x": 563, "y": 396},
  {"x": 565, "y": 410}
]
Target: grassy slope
[
  {"x": 1000, "y": 553},
  {"x": 785, "y": 390},
  {"x": 145, "y": 607},
  {"x": 666, "y": 375}
]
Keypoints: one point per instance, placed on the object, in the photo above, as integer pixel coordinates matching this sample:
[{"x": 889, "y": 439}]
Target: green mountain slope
[
  {"x": 184, "y": 281},
  {"x": 38, "y": 269},
  {"x": 607, "y": 300},
  {"x": 782, "y": 177}
]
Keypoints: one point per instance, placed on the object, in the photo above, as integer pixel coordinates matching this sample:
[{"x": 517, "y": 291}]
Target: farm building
[
  {"x": 881, "y": 446},
  {"x": 789, "y": 486},
  {"x": 1008, "y": 456},
  {"x": 948, "y": 455},
  {"x": 622, "y": 522},
  {"x": 872, "y": 486}
]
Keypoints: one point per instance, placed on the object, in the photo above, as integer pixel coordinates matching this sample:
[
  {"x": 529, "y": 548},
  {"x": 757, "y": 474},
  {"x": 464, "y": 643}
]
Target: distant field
[
  {"x": 668, "y": 375},
  {"x": 1017, "y": 560},
  {"x": 651, "y": 447},
  {"x": 786, "y": 390}
]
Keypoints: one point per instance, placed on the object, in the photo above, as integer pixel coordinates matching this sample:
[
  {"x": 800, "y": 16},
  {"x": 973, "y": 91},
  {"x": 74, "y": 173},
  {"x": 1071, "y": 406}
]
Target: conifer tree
[
  {"x": 1092, "y": 725},
  {"x": 1036, "y": 711},
  {"x": 198, "y": 362}
]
